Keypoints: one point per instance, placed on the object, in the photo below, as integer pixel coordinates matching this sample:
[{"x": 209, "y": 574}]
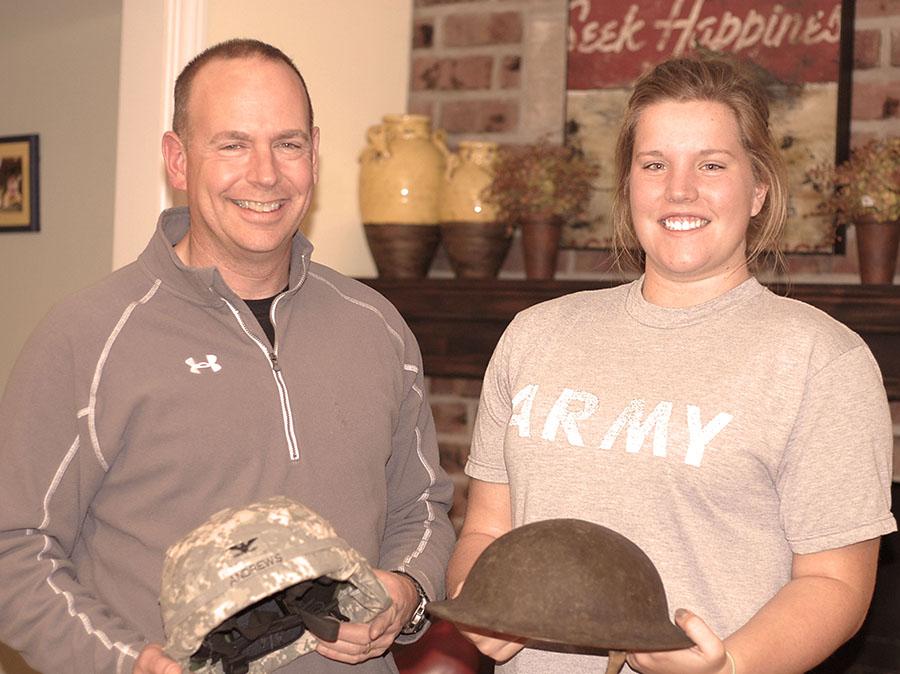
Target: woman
[{"x": 741, "y": 439}]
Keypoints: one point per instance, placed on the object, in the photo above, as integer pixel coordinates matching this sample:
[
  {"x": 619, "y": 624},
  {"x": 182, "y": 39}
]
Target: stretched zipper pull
[{"x": 274, "y": 359}]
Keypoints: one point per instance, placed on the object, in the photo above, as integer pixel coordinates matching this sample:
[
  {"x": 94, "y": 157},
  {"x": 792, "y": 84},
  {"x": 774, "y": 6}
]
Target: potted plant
[
  {"x": 864, "y": 191},
  {"x": 538, "y": 187}
]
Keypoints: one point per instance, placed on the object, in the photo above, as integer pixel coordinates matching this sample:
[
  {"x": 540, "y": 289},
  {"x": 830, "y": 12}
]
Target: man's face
[{"x": 248, "y": 163}]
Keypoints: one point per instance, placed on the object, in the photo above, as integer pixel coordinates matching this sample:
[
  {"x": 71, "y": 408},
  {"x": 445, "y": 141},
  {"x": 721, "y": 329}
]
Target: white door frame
[{"x": 158, "y": 39}]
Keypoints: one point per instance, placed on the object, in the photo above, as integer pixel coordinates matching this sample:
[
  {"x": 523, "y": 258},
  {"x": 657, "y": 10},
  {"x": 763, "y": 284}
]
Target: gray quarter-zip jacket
[{"x": 144, "y": 404}]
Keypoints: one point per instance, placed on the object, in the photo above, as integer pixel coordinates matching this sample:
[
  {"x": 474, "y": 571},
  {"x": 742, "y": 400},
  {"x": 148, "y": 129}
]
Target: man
[{"x": 220, "y": 368}]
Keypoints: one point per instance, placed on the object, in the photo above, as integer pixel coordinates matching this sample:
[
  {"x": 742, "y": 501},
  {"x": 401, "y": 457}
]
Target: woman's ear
[{"x": 759, "y": 198}]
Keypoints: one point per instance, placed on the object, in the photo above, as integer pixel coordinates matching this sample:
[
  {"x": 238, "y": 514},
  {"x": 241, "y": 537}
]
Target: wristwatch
[{"x": 417, "y": 621}]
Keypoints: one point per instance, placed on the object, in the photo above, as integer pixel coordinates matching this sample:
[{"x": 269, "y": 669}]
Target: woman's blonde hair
[{"x": 720, "y": 80}]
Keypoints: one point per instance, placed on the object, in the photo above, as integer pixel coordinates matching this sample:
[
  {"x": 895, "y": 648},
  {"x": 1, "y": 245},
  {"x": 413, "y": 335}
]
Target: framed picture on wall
[
  {"x": 801, "y": 50},
  {"x": 19, "y": 189}
]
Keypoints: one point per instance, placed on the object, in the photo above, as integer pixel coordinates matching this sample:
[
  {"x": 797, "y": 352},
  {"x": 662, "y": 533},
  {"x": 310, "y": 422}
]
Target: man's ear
[
  {"x": 175, "y": 158},
  {"x": 315, "y": 154}
]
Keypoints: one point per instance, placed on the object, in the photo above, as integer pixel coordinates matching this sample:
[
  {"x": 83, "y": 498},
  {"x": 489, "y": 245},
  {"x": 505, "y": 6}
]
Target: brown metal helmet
[{"x": 569, "y": 582}]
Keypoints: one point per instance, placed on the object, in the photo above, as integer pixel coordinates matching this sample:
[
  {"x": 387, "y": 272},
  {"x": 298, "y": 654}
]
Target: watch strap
[{"x": 417, "y": 620}]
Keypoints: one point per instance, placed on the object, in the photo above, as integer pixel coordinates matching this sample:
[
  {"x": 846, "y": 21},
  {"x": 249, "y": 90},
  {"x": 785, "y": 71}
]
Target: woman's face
[{"x": 692, "y": 193}]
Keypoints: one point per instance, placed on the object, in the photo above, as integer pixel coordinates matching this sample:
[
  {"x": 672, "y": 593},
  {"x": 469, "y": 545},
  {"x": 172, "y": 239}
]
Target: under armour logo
[
  {"x": 209, "y": 363},
  {"x": 242, "y": 548}
]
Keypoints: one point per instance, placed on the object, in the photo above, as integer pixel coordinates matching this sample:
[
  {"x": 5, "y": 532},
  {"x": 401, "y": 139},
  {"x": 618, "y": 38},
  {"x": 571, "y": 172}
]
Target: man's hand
[
  {"x": 358, "y": 642},
  {"x": 153, "y": 660},
  {"x": 706, "y": 656}
]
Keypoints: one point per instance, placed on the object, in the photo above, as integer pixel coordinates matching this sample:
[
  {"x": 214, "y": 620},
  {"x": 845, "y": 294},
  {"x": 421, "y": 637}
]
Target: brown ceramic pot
[
  {"x": 877, "y": 244},
  {"x": 540, "y": 246},
  {"x": 476, "y": 249},
  {"x": 402, "y": 251}
]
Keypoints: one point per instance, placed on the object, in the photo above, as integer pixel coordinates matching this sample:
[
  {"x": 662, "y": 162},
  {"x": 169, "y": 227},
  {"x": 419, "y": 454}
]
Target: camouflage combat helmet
[
  {"x": 253, "y": 588},
  {"x": 568, "y": 582}
]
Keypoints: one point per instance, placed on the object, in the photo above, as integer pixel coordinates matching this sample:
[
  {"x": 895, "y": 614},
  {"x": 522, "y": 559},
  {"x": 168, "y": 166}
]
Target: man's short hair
[{"x": 229, "y": 49}]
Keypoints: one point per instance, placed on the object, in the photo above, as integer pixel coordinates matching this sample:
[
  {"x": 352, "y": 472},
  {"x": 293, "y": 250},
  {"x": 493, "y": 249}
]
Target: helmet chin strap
[{"x": 615, "y": 662}]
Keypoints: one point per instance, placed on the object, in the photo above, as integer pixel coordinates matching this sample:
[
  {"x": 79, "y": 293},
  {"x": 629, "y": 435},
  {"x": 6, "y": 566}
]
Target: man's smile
[{"x": 259, "y": 206}]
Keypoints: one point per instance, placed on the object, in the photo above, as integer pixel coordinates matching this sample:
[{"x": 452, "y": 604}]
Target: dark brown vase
[
  {"x": 540, "y": 246},
  {"x": 877, "y": 244},
  {"x": 403, "y": 251},
  {"x": 476, "y": 249}
]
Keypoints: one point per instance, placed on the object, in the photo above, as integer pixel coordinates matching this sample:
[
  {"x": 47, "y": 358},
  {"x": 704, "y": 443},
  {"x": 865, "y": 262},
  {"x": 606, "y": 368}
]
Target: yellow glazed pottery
[
  {"x": 401, "y": 172},
  {"x": 469, "y": 173},
  {"x": 475, "y": 242}
]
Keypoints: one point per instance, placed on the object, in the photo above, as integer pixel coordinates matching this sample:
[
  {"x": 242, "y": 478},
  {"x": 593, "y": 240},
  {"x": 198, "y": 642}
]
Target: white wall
[
  {"x": 60, "y": 80},
  {"x": 158, "y": 39},
  {"x": 354, "y": 56}
]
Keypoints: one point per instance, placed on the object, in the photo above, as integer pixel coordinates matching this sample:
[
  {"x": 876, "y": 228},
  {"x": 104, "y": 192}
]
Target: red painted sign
[{"x": 611, "y": 43}]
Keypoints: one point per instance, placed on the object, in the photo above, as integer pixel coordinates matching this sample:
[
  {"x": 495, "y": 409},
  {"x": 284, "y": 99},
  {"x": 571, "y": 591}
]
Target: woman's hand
[
  {"x": 494, "y": 645},
  {"x": 706, "y": 656},
  {"x": 488, "y": 516}
]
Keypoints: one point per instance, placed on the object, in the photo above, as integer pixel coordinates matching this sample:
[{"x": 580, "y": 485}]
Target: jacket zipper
[{"x": 286, "y": 415}]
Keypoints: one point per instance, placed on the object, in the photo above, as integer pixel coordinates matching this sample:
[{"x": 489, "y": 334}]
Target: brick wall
[
  {"x": 495, "y": 70},
  {"x": 876, "y": 70},
  {"x": 454, "y": 403},
  {"x": 476, "y": 63}
]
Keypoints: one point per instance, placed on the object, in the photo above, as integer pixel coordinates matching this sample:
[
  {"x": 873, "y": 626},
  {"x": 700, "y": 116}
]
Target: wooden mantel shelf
[{"x": 458, "y": 322}]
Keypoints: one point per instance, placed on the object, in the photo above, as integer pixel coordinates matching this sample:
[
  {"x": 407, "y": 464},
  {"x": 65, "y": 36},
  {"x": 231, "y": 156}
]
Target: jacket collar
[{"x": 205, "y": 284}]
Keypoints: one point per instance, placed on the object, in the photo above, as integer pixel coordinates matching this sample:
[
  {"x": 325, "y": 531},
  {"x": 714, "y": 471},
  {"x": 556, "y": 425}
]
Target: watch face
[{"x": 417, "y": 621}]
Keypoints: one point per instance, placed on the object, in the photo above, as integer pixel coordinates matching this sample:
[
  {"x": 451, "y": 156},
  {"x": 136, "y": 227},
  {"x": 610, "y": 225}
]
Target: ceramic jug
[
  {"x": 401, "y": 171},
  {"x": 469, "y": 173},
  {"x": 475, "y": 242}
]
